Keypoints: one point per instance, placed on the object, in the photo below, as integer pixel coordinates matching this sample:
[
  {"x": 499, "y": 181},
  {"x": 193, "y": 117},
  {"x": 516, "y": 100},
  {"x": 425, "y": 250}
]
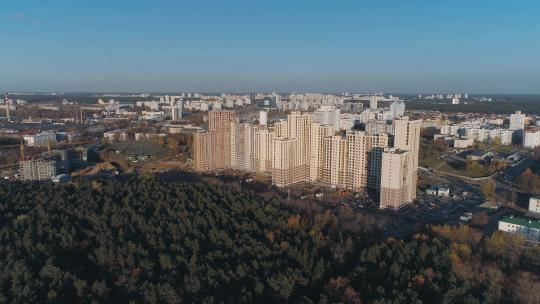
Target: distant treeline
[{"x": 504, "y": 106}]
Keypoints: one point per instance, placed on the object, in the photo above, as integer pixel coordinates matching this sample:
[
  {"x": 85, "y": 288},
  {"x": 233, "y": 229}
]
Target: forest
[
  {"x": 145, "y": 240},
  {"x": 530, "y": 105}
]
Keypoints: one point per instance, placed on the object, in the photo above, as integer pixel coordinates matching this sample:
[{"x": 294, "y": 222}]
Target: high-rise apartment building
[
  {"x": 346, "y": 159},
  {"x": 328, "y": 115},
  {"x": 297, "y": 149},
  {"x": 281, "y": 128},
  {"x": 204, "y": 152},
  {"x": 397, "y": 109},
  {"x": 406, "y": 147},
  {"x": 242, "y": 146},
  {"x": 212, "y": 149},
  {"x": 376, "y": 127},
  {"x": 407, "y": 137},
  {"x": 263, "y": 150},
  {"x": 361, "y": 145},
  {"x": 299, "y": 128},
  {"x": 373, "y": 102},
  {"x": 318, "y": 133},
  {"x": 335, "y": 162},
  {"x": 517, "y": 121},
  {"x": 263, "y": 118},
  {"x": 396, "y": 186},
  {"x": 285, "y": 170},
  {"x": 219, "y": 121}
]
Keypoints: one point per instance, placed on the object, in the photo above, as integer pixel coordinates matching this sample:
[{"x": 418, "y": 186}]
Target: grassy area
[
  {"x": 432, "y": 162},
  {"x": 500, "y": 148}
]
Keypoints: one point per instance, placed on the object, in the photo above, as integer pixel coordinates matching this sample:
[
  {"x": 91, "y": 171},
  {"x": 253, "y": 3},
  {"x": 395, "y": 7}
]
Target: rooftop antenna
[{"x": 6, "y": 101}]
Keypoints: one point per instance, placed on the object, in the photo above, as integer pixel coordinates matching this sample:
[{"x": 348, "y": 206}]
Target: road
[{"x": 512, "y": 173}]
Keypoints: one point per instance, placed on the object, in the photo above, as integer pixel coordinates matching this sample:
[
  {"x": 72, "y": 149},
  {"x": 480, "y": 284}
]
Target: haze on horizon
[{"x": 286, "y": 46}]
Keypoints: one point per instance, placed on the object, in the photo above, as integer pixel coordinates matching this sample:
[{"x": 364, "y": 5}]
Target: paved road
[{"x": 513, "y": 172}]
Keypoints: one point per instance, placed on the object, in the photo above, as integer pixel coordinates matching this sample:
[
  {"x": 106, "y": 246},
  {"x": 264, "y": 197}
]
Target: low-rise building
[
  {"x": 40, "y": 139},
  {"x": 534, "y": 204},
  {"x": 463, "y": 143},
  {"x": 116, "y": 135},
  {"x": 531, "y": 139},
  {"x": 443, "y": 192},
  {"x": 528, "y": 228},
  {"x": 431, "y": 191}
]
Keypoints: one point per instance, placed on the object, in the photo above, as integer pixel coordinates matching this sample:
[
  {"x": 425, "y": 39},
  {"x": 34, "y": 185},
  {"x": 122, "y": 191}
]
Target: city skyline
[{"x": 243, "y": 46}]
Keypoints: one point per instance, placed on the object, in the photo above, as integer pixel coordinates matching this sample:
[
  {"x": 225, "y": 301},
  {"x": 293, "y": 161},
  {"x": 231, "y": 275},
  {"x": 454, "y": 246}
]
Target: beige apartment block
[
  {"x": 318, "y": 134},
  {"x": 242, "y": 146},
  {"x": 360, "y": 145},
  {"x": 396, "y": 184},
  {"x": 407, "y": 137},
  {"x": 263, "y": 150},
  {"x": 219, "y": 121},
  {"x": 299, "y": 128},
  {"x": 335, "y": 160},
  {"x": 204, "y": 151},
  {"x": 285, "y": 170}
]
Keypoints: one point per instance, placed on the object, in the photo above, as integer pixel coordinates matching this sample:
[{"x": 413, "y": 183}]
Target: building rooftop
[{"x": 522, "y": 221}]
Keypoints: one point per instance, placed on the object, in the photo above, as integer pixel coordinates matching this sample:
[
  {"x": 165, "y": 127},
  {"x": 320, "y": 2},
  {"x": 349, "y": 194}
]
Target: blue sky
[{"x": 295, "y": 45}]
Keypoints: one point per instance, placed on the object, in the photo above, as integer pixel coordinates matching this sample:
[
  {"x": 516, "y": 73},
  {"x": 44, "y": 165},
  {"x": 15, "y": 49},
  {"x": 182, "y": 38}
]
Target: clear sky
[{"x": 487, "y": 46}]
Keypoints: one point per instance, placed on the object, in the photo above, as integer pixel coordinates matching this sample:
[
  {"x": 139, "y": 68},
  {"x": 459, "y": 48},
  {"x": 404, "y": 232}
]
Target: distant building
[
  {"x": 397, "y": 109},
  {"x": 181, "y": 129},
  {"x": 327, "y": 115},
  {"x": 376, "y": 127},
  {"x": 517, "y": 121},
  {"x": 373, "y": 102},
  {"x": 40, "y": 139},
  {"x": 68, "y": 160},
  {"x": 455, "y": 101},
  {"x": 528, "y": 228},
  {"x": 263, "y": 118},
  {"x": 116, "y": 135},
  {"x": 176, "y": 110},
  {"x": 463, "y": 143}
]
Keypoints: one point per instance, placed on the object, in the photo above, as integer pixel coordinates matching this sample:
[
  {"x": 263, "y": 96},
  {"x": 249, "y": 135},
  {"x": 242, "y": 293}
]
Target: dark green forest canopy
[
  {"x": 143, "y": 240},
  {"x": 150, "y": 241},
  {"x": 531, "y": 106}
]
